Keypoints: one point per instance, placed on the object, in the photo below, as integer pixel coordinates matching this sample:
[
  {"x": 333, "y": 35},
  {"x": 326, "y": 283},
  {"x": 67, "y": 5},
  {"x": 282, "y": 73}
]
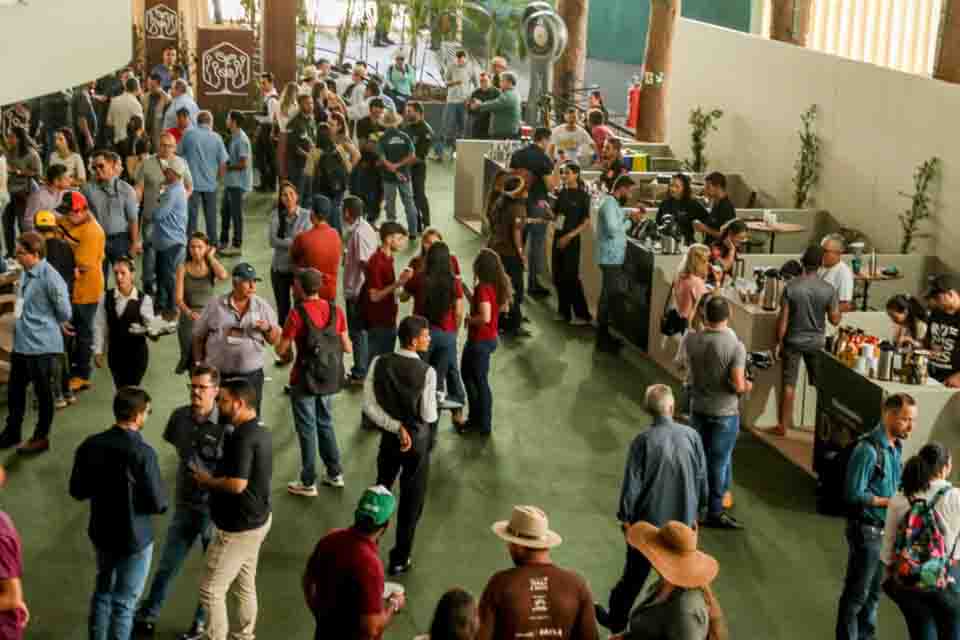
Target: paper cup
[{"x": 392, "y": 588}]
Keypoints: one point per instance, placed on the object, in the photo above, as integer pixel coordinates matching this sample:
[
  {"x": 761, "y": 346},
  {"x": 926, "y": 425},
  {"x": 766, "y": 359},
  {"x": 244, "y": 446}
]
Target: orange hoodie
[{"x": 89, "y": 245}]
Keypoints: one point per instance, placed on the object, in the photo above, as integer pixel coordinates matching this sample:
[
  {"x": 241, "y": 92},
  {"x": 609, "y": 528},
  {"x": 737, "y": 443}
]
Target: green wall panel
[{"x": 617, "y": 29}]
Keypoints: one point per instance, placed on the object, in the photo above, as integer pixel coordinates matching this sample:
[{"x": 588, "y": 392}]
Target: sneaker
[
  {"x": 353, "y": 381},
  {"x": 79, "y": 384},
  {"x": 579, "y": 322},
  {"x": 400, "y": 568},
  {"x": 71, "y": 399},
  {"x": 60, "y": 403},
  {"x": 333, "y": 481},
  {"x": 539, "y": 292},
  {"x": 196, "y": 633},
  {"x": 297, "y": 488},
  {"x": 722, "y": 521},
  {"x": 604, "y": 619},
  {"x": 449, "y": 405},
  {"x": 522, "y": 333},
  {"x": 34, "y": 445}
]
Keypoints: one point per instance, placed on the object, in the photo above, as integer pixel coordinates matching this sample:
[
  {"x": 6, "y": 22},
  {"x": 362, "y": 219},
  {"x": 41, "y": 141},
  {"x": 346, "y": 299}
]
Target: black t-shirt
[
  {"x": 422, "y": 135},
  {"x": 366, "y": 128},
  {"x": 574, "y": 206},
  {"x": 60, "y": 256},
  {"x": 536, "y": 161},
  {"x": 721, "y": 213},
  {"x": 197, "y": 443},
  {"x": 247, "y": 454},
  {"x": 684, "y": 212},
  {"x": 943, "y": 339}
]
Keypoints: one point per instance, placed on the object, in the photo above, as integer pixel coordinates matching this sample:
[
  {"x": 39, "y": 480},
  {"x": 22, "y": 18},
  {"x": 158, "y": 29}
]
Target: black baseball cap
[
  {"x": 812, "y": 257},
  {"x": 942, "y": 283},
  {"x": 245, "y": 271}
]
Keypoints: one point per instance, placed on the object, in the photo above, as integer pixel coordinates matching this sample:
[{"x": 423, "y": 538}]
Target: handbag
[{"x": 671, "y": 322}]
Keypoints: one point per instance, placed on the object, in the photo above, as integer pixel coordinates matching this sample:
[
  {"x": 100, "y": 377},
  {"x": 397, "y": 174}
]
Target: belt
[{"x": 870, "y": 524}]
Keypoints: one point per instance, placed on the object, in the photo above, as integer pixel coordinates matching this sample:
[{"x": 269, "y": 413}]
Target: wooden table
[
  {"x": 773, "y": 229},
  {"x": 867, "y": 279}
]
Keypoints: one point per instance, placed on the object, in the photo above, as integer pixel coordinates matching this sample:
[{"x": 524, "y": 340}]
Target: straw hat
[
  {"x": 528, "y": 527},
  {"x": 391, "y": 118},
  {"x": 309, "y": 72},
  {"x": 521, "y": 188},
  {"x": 672, "y": 550}
]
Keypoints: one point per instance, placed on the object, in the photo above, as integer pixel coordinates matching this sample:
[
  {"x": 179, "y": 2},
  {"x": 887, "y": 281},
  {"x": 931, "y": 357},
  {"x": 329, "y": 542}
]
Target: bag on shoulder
[
  {"x": 322, "y": 372},
  {"x": 832, "y": 473},
  {"x": 921, "y": 561},
  {"x": 671, "y": 322}
]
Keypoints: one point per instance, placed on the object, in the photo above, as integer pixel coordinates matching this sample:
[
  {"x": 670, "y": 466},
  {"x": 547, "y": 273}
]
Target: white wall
[
  {"x": 876, "y": 124},
  {"x": 48, "y": 45}
]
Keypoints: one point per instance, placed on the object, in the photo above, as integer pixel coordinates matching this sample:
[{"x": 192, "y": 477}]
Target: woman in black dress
[
  {"x": 573, "y": 212},
  {"x": 121, "y": 308},
  {"x": 681, "y": 204}
]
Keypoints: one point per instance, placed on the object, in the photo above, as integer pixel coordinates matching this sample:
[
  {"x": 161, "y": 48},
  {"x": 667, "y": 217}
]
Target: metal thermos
[
  {"x": 874, "y": 264},
  {"x": 885, "y": 364},
  {"x": 739, "y": 268},
  {"x": 669, "y": 245},
  {"x": 772, "y": 290}
]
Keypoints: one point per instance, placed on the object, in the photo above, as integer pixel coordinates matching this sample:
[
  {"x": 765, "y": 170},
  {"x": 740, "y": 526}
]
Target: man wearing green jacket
[{"x": 505, "y": 108}]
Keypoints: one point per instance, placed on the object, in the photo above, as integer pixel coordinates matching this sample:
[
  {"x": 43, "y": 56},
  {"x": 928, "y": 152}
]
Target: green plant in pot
[
  {"x": 701, "y": 123},
  {"x": 808, "y": 163},
  {"x": 921, "y": 202}
]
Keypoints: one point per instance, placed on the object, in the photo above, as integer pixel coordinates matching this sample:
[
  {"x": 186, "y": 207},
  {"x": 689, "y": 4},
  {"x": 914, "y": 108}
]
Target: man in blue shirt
[
  {"x": 206, "y": 155},
  {"x": 181, "y": 99},
  {"x": 397, "y": 154},
  {"x": 236, "y": 184},
  {"x": 169, "y": 70},
  {"x": 115, "y": 205},
  {"x": 873, "y": 477},
  {"x": 42, "y": 312},
  {"x": 170, "y": 236},
  {"x": 118, "y": 472},
  {"x": 611, "y": 250}
]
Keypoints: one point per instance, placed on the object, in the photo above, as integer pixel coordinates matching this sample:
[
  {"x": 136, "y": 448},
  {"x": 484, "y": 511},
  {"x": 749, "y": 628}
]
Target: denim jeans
[
  {"x": 232, "y": 213},
  {"x": 406, "y": 196},
  {"x": 719, "y": 435},
  {"x": 303, "y": 183},
  {"x": 933, "y": 615},
  {"x": 35, "y": 369},
  {"x": 418, "y": 179},
  {"x": 475, "y": 367},
  {"x": 282, "y": 283},
  {"x": 116, "y": 247},
  {"x": 857, "y": 615},
  {"x": 536, "y": 248},
  {"x": 511, "y": 319},
  {"x": 442, "y": 356},
  {"x": 119, "y": 583},
  {"x": 149, "y": 258},
  {"x": 167, "y": 262},
  {"x": 358, "y": 336},
  {"x": 611, "y": 290},
  {"x": 83, "y": 321},
  {"x": 313, "y": 419},
  {"x": 454, "y": 125},
  {"x": 380, "y": 340},
  {"x": 186, "y": 527},
  {"x": 209, "y": 201}
]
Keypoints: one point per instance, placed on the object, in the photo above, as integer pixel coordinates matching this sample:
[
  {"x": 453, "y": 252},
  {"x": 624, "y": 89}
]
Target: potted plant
[
  {"x": 808, "y": 163},
  {"x": 701, "y": 123},
  {"x": 920, "y": 202}
]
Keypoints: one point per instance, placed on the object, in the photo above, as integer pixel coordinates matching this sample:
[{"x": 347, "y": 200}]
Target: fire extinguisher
[{"x": 633, "y": 102}]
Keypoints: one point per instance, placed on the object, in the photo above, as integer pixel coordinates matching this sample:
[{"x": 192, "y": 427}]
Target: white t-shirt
[
  {"x": 841, "y": 277},
  {"x": 948, "y": 507},
  {"x": 573, "y": 144},
  {"x": 73, "y": 163}
]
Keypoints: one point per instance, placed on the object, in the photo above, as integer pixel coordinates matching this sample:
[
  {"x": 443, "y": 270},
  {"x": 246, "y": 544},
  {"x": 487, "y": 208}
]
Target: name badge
[{"x": 235, "y": 336}]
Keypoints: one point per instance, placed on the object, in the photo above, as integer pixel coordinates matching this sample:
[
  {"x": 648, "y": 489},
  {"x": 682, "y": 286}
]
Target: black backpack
[
  {"x": 322, "y": 372},
  {"x": 333, "y": 173},
  {"x": 832, "y": 498}
]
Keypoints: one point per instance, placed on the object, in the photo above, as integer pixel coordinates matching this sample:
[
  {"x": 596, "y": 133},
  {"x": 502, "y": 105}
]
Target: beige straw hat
[{"x": 528, "y": 527}]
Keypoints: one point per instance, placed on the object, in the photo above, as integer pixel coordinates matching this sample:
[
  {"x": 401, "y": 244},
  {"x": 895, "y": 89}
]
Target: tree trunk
[
  {"x": 947, "y": 65},
  {"x": 217, "y": 12},
  {"x": 569, "y": 70},
  {"x": 657, "y": 64},
  {"x": 791, "y": 21}
]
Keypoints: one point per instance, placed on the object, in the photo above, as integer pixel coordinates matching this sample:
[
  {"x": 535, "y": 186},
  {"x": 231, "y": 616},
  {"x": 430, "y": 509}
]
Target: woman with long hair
[
  {"x": 286, "y": 221},
  {"x": 341, "y": 138},
  {"x": 595, "y": 101},
  {"x": 726, "y": 249},
  {"x": 65, "y": 153},
  {"x": 573, "y": 211},
  {"x": 910, "y": 319},
  {"x": 691, "y": 282},
  {"x": 286, "y": 110},
  {"x": 443, "y": 305},
  {"x": 121, "y": 310},
  {"x": 197, "y": 277},
  {"x": 455, "y": 618},
  {"x": 24, "y": 167},
  {"x": 682, "y": 206},
  {"x": 933, "y": 613},
  {"x": 134, "y": 148},
  {"x": 492, "y": 293}
]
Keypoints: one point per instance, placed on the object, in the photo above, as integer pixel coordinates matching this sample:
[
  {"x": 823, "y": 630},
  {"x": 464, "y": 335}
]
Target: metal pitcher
[
  {"x": 772, "y": 290},
  {"x": 885, "y": 364}
]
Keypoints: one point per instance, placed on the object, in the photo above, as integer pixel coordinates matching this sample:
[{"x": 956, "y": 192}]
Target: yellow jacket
[{"x": 89, "y": 245}]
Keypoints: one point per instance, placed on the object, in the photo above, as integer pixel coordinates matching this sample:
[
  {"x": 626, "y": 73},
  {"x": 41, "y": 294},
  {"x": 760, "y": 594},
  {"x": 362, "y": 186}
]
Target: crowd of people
[{"x": 336, "y": 149}]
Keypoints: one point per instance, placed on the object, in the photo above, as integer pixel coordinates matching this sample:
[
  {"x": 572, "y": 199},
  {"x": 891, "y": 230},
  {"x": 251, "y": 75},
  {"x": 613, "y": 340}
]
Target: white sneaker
[
  {"x": 297, "y": 488},
  {"x": 332, "y": 481},
  {"x": 579, "y": 322},
  {"x": 449, "y": 405}
]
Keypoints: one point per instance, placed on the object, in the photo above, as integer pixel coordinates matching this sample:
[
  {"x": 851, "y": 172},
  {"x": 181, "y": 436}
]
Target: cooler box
[{"x": 638, "y": 162}]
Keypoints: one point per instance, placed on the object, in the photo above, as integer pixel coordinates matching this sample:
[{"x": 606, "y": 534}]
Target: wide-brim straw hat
[
  {"x": 392, "y": 119},
  {"x": 528, "y": 527},
  {"x": 521, "y": 188},
  {"x": 672, "y": 550}
]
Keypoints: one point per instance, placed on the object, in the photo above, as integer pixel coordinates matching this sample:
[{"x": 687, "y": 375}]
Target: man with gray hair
[
  {"x": 837, "y": 272},
  {"x": 665, "y": 479},
  {"x": 181, "y": 99},
  {"x": 207, "y": 157}
]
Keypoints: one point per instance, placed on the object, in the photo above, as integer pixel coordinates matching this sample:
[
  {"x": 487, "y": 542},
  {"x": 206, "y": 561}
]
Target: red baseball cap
[{"x": 72, "y": 201}]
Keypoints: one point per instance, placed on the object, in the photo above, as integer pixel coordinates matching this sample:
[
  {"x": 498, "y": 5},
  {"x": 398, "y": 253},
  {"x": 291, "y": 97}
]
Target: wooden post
[
  {"x": 278, "y": 40},
  {"x": 947, "y": 65},
  {"x": 569, "y": 70},
  {"x": 161, "y": 29},
  {"x": 791, "y": 21},
  {"x": 657, "y": 64}
]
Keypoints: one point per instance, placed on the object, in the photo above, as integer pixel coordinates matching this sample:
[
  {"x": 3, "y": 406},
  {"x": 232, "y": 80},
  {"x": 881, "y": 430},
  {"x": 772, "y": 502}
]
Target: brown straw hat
[
  {"x": 519, "y": 184},
  {"x": 528, "y": 527},
  {"x": 672, "y": 550}
]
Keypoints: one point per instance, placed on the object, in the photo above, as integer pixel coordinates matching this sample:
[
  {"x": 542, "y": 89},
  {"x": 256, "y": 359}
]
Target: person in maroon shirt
[
  {"x": 378, "y": 298},
  {"x": 14, "y": 614},
  {"x": 343, "y": 584},
  {"x": 492, "y": 294},
  {"x": 319, "y": 248}
]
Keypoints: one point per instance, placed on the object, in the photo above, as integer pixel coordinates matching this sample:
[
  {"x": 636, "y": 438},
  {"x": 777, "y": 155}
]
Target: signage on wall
[
  {"x": 226, "y": 70},
  {"x": 161, "y": 22}
]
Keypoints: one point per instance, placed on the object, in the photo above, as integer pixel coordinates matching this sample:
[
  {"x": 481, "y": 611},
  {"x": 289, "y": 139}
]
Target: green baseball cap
[{"x": 377, "y": 505}]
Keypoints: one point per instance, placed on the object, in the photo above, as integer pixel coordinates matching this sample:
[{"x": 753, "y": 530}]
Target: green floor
[{"x": 563, "y": 421}]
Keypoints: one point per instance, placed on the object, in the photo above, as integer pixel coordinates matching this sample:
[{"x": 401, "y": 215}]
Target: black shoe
[
  {"x": 400, "y": 568},
  {"x": 7, "y": 441},
  {"x": 520, "y": 332},
  {"x": 722, "y": 521},
  {"x": 143, "y": 628},
  {"x": 525, "y": 320},
  {"x": 609, "y": 345}
]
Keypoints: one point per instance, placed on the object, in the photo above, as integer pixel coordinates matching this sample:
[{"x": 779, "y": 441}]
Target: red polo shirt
[
  {"x": 379, "y": 274},
  {"x": 319, "y": 248}
]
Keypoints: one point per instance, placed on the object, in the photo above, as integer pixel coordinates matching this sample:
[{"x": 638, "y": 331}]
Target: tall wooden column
[
  {"x": 569, "y": 70},
  {"x": 278, "y": 40},
  {"x": 657, "y": 64},
  {"x": 947, "y": 66},
  {"x": 791, "y": 21}
]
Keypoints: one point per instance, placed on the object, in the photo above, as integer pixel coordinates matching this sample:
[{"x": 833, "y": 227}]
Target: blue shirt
[
  {"x": 44, "y": 303},
  {"x": 114, "y": 204},
  {"x": 612, "y": 223},
  {"x": 170, "y": 217},
  {"x": 183, "y": 101},
  {"x": 204, "y": 151},
  {"x": 239, "y": 148},
  {"x": 167, "y": 78},
  {"x": 865, "y": 480}
]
